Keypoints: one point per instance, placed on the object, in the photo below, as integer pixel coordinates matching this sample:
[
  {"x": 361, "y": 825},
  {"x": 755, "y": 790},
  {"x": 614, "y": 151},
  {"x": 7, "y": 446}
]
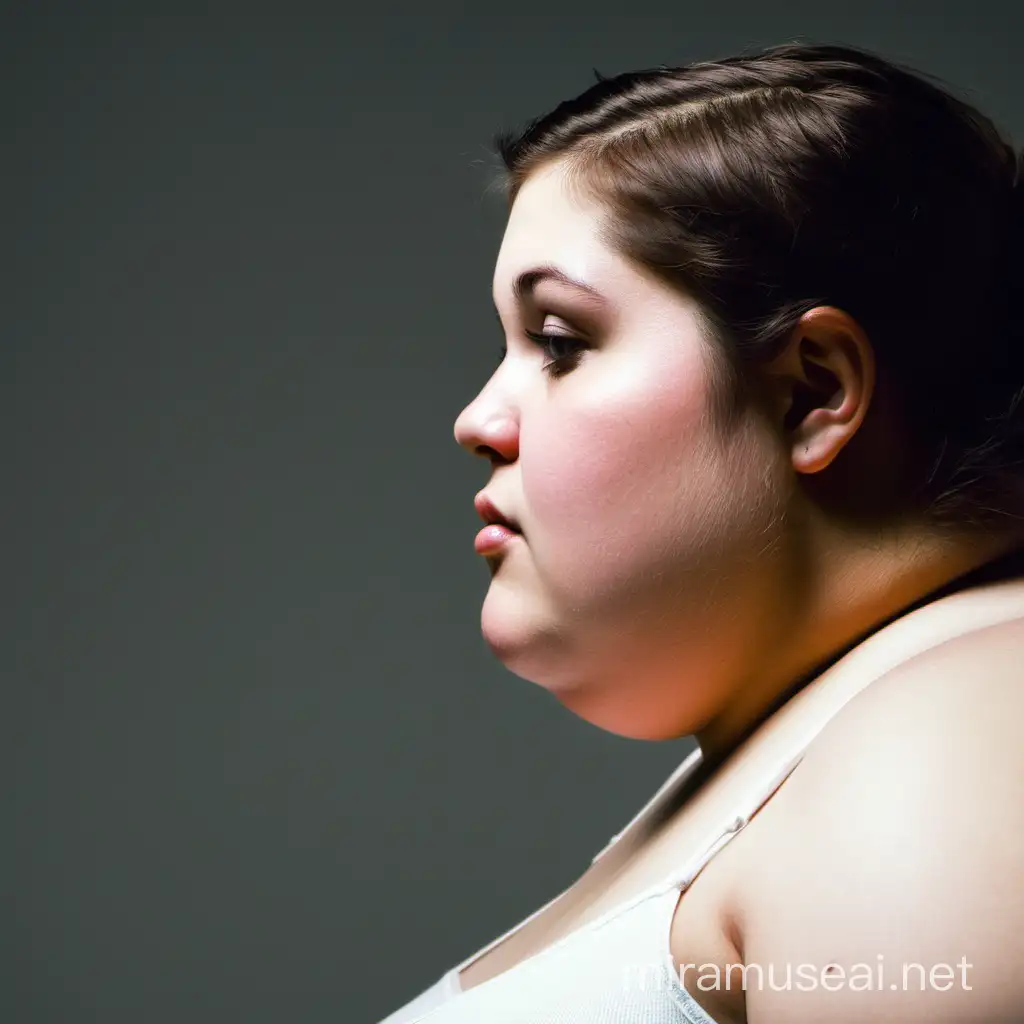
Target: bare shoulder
[
  {"x": 965, "y": 681},
  {"x": 950, "y": 705},
  {"x": 899, "y": 839},
  {"x": 955, "y": 710}
]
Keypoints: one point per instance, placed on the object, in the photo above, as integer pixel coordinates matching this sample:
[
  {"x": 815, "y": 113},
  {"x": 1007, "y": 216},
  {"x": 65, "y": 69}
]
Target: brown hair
[{"x": 770, "y": 183}]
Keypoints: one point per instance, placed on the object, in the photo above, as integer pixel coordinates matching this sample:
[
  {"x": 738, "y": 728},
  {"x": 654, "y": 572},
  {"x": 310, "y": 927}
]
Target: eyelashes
[{"x": 559, "y": 364}]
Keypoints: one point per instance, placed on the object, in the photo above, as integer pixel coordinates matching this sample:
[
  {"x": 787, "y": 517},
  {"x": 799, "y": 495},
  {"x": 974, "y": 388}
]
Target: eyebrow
[{"x": 523, "y": 285}]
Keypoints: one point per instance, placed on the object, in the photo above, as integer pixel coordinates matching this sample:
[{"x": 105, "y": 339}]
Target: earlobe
[{"x": 820, "y": 438}]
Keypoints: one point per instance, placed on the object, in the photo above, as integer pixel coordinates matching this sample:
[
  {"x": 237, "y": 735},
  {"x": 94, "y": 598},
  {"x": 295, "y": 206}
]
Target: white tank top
[{"x": 618, "y": 968}]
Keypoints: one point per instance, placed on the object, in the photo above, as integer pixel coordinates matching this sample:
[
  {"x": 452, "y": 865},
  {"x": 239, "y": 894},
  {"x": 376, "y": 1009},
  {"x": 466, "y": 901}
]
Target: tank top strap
[
  {"x": 666, "y": 791},
  {"x": 726, "y": 831}
]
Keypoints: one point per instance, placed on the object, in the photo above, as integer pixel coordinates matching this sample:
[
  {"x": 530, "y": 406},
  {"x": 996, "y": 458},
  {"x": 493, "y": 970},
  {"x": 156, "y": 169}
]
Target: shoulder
[
  {"x": 901, "y": 842},
  {"x": 952, "y": 711}
]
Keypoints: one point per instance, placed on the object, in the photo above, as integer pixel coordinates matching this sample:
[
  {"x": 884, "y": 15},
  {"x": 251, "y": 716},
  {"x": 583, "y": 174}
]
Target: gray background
[{"x": 262, "y": 765}]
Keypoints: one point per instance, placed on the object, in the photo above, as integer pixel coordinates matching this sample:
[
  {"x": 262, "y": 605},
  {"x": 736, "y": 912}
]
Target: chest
[{"x": 642, "y": 859}]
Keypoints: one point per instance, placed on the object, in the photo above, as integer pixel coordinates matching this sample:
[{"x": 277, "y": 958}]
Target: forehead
[{"x": 551, "y": 224}]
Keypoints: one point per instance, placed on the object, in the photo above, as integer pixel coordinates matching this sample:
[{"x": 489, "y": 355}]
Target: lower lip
[{"x": 493, "y": 538}]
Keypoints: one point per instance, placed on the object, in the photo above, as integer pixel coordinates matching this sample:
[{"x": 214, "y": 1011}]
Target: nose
[{"x": 487, "y": 429}]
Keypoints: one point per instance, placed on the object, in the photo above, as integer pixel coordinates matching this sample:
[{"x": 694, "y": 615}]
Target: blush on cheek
[{"x": 614, "y": 490}]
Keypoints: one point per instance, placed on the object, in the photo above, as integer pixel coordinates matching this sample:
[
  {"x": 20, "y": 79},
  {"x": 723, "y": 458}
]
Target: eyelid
[
  {"x": 565, "y": 321},
  {"x": 543, "y": 337}
]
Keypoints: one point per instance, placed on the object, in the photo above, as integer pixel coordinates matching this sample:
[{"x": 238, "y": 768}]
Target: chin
[{"x": 520, "y": 637}]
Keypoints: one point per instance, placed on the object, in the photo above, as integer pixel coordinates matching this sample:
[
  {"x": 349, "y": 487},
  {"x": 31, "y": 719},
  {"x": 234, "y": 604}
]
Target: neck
[{"x": 853, "y": 591}]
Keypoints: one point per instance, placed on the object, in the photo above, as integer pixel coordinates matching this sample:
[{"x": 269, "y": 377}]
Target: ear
[{"x": 820, "y": 386}]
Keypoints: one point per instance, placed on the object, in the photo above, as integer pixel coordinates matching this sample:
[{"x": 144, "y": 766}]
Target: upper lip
[{"x": 490, "y": 513}]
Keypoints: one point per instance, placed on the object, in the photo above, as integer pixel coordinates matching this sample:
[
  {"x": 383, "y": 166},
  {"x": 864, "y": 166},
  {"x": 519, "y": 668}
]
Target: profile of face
[{"x": 644, "y": 579}]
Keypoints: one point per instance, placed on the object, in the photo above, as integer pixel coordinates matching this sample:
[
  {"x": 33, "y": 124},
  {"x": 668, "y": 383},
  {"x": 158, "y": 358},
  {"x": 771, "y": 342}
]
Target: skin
[
  {"x": 673, "y": 577},
  {"x": 899, "y": 840}
]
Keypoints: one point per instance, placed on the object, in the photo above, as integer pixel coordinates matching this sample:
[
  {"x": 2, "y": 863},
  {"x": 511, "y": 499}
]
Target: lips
[{"x": 492, "y": 515}]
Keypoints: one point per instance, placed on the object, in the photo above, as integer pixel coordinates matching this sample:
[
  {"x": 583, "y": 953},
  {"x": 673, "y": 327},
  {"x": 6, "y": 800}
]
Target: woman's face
[{"x": 643, "y": 585}]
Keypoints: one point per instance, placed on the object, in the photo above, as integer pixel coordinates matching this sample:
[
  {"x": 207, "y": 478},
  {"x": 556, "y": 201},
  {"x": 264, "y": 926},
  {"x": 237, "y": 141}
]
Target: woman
[{"x": 756, "y": 447}]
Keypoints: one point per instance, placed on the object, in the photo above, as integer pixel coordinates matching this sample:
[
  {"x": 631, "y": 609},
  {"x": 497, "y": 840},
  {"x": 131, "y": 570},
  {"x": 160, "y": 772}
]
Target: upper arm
[{"x": 900, "y": 854}]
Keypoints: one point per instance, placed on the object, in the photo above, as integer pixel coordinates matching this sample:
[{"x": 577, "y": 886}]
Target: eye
[{"x": 560, "y": 364}]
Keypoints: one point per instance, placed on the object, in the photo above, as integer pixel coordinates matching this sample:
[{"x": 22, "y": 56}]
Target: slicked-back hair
[{"x": 767, "y": 184}]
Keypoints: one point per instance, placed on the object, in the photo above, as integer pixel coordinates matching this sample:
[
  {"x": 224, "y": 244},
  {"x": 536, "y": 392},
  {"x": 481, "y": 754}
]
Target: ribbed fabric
[{"x": 614, "y": 973}]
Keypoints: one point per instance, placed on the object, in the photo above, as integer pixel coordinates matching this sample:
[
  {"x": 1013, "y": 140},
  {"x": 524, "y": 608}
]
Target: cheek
[{"x": 617, "y": 479}]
